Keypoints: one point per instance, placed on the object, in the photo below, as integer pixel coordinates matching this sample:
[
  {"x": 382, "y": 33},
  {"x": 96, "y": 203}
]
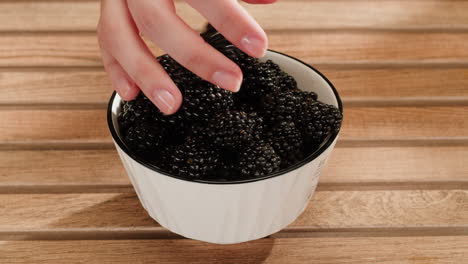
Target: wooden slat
[
  {"x": 426, "y": 249},
  {"x": 49, "y": 50},
  {"x": 47, "y": 15},
  {"x": 327, "y": 209},
  {"x": 371, "y": 47},
  {"x": 66, "y": 167},
  {"x": 53, "y": 126},
  {"x": 360, "y": 123},
  {"x": 291, "y": 14},
  {"x": 92, "y": 86},
  {"x": 48, "y": 87},
  {"x": 397, "y": 164},
  {"x": 318, "y": 47},
  {"x": 399, "y": 83},
  {"x": 401, "y": 14},
  {"x": 382, "y": 123},
  {"x": 417, "y": 165}
]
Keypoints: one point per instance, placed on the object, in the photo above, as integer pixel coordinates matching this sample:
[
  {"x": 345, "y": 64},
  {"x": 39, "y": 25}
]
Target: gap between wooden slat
[
  {"x": 342, "y": 186},
  {"x": 292, "y": 232},
  {"x": 64, "y": 188},
  {"x": 433, "y": 29},
  {"x": 401, "y": 64},
  {"x": 319, "y": 65},
  {"x": 356, "y": 29},
  {"x": 348, "y": 102},
  {"x": 162, "y": 233},
  {"x": 409, "y": 101},
  {"x": 349, "y": 143},
  {"x": 40, "y": 146}
]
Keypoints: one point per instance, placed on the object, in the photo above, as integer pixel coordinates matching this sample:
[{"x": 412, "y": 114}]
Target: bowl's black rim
[{"x": 306, "y": 160}]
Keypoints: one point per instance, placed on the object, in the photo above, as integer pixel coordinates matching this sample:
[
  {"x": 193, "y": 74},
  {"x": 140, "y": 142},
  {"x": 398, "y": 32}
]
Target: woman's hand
[{"x": 131, "y": 66}]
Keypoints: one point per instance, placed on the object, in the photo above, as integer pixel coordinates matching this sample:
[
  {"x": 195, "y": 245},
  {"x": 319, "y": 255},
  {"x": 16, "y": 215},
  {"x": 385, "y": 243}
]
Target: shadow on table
[{"x": 111, "y": 223}]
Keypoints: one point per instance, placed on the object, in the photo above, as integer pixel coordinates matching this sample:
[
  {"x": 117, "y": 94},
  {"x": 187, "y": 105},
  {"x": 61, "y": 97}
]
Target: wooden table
[{"x": 396, "y": 188}]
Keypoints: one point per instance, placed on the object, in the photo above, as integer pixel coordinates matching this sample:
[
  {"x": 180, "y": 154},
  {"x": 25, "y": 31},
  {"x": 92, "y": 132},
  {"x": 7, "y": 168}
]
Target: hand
[{"x": 131, "y": 66}]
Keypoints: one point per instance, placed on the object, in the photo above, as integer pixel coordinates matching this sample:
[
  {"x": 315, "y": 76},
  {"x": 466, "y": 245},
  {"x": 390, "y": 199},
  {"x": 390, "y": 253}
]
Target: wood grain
[
  {"x": 67, "y": 49},
  {"x": 62, "y": 167},
  {"x": 290, "y": 14},
  {"x": 49, "y": 50},
  {"x": 357, "y": 165},
  {"x": 384, "y": 123},
  {"x": 327, "y": 210},
  {"x": 360, "y": 123},
  {"x": 357, "y": 250},
  {"x": 53, "y": 126},
  {"x": 53, "y": 91},
  {"x": 49, "y": 87},
  {"x": 399, "y": 83},
  {"x": 92, "y": 86},
  {"x": 370, "y": 47},
  {"x": 48, "y": 15},
  {"x": 419, "y": 165}
]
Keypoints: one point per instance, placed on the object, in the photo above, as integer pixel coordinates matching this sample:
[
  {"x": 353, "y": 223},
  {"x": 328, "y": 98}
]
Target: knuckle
[
  {"x": 142, "y": 73},
  {"x": 100, "y": 33},
  {"x": 193, "y": 59},
  {"x": 225, "y": 23},
  {"x": 105, "y": 31},
  {"x": 148, "y": 19},
  {"x": 110, "y": 64}
]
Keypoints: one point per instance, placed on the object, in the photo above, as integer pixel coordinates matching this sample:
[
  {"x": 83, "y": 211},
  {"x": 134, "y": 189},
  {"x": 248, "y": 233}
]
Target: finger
[
  {"x": 120, "y": 38},
  {"x": 260, "y": 1},
  {"x": 158, "y": 21},
  {"x": 120, "y": 80},
  {"x": 231, "y": 19}
]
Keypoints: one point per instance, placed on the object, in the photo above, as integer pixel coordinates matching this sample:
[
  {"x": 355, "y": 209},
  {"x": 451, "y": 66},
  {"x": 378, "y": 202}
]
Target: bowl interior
[{"x": 307, "y": 79}]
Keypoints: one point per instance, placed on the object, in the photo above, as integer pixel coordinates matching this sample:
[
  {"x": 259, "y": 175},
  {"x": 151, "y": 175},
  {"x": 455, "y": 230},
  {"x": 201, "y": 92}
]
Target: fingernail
[
  {"x": 253, "y": 45},
  {"x": 227, "y": 81},
  {"x": 123, "y": 86},
  {"x": 164, "y": 100}
]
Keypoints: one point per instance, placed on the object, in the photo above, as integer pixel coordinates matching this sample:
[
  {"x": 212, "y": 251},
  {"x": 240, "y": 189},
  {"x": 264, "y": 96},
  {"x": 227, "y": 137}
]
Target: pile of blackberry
[{"x": 269, "y": 125}]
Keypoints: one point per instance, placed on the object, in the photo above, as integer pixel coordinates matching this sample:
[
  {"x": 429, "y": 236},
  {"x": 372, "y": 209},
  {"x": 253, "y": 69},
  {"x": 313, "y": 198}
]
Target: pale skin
[{"x": 131, "y": 66}]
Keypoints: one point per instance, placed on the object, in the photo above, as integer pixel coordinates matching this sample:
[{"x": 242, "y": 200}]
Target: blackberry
[
  {"x": 286, "y": 82},
  {"x": 201, "y": 99},
  {"x": 208, "y": 32},
  {"x": 204, "y": 100},
  {"x": 192, "y": 160},
  {"x": 286, "y": 106},
  {"x": 246, "y": 107},
  {"x": 181, "y": 76},
  {"x": 244, "y": 61},
  {"x": 261, "y": 80},
  {"x": 318, "y": 120},
  {"x": 141, "y": 113},
  {"x": 258, "y": 160},
  {"x": 234, "y": 129},
  {"x": 144, "y": 136},
  {"x": 139, "y": 109},
  {"x": 219, "y": 42},
  {"x": 306, "y": 98},
  {"x": 286, "y": 139},
  {"x": 228, "y": 165},
  {"x": 281, "y": 107}
]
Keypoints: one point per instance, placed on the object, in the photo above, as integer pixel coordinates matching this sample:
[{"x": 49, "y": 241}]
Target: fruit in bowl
[{"x": 227, "y": 167}]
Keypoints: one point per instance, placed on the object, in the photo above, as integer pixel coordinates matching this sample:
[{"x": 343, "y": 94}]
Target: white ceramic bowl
[{"x": 231, "y": 212}]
